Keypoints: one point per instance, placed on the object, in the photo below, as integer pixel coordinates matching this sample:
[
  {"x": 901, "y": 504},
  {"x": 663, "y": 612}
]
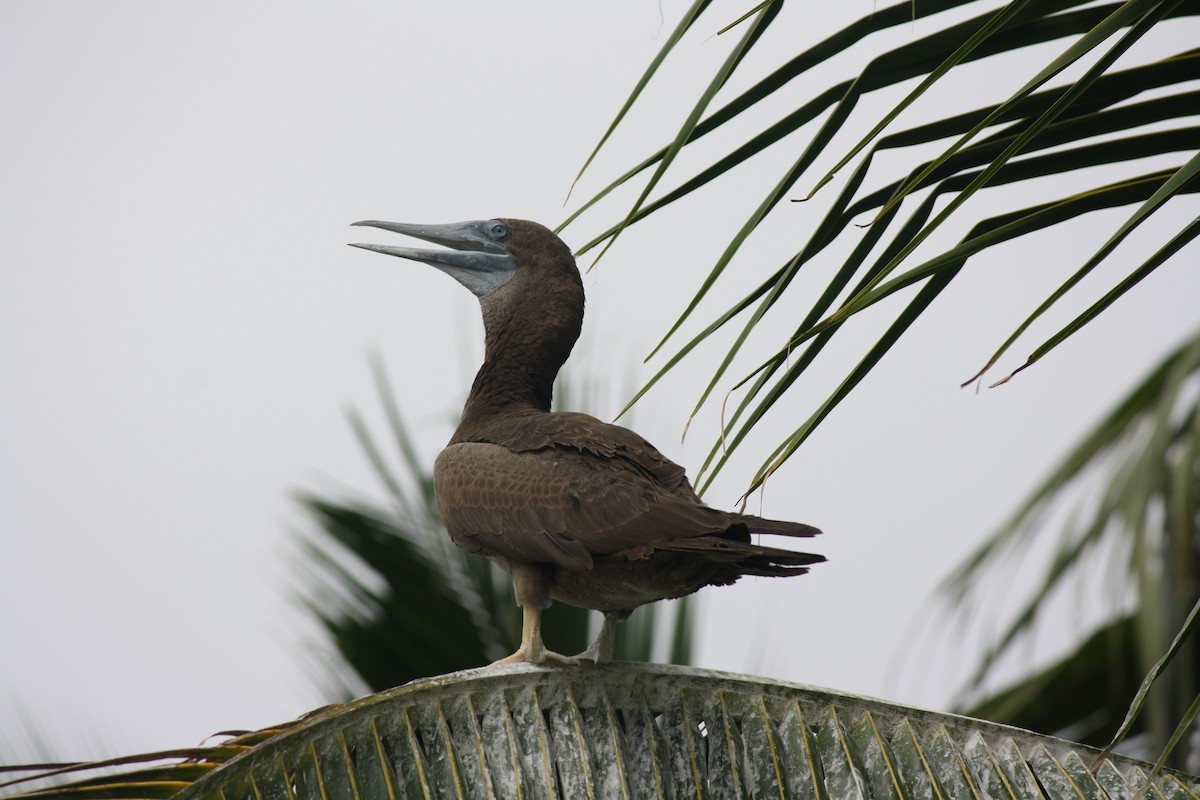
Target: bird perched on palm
[{"x": 573, "y": 508}]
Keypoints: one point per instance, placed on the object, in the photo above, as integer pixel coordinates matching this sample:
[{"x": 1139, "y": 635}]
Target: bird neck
[{"x": 527, "y": 342}]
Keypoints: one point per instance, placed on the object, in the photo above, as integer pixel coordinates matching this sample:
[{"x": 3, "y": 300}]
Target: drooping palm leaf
[
  {"x": 1037, "y": 130},
  {"x": 1185, "y": 725},
  {"x": 144, "y": 776},
  {"x": 1143, "y": 462},
  {"x": 1087, "y": 692},
  {"x": 684, "y": 25}
]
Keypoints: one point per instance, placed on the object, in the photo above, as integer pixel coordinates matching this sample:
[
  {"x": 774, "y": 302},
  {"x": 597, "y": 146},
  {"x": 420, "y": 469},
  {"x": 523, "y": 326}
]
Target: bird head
[{"x": 484, "y": 254}]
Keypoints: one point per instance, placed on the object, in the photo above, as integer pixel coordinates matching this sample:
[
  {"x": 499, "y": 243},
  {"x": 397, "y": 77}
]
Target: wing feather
[{"x": 564, "y": 488}]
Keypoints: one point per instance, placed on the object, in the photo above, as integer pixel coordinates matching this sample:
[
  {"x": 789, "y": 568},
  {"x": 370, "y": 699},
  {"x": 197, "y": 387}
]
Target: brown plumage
[{"x": 575, "y": 509}]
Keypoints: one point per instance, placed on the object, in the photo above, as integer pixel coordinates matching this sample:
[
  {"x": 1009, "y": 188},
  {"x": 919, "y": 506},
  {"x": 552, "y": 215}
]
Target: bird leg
[
  {"x": 601, "y": 650},
  {"x": 531, "y": 585},
  {"x": 533, "y": 650}
]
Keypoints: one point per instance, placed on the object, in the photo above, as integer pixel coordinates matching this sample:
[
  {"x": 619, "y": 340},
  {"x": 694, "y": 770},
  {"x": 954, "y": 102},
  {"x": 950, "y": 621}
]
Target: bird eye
[{"x": 499, "y": 231}]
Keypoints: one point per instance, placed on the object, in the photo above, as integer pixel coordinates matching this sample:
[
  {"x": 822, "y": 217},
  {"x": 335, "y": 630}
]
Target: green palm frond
[
  {"x": 1142, "y": 464},
  {"x": 144, "y": 776},
  {"x": 1085, "y": 693},
  {"x": 399, "y": 601},
  {"x": 1117, "y": 113},
  {"x": 643, "y": 731}
]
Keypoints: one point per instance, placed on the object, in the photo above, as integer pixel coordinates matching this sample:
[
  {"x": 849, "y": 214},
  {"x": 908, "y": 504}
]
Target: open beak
[{"x": 477, "y": 262}]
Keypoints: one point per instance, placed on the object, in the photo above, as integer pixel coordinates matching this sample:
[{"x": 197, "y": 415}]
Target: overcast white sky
[{"x": 182, "y": 328}]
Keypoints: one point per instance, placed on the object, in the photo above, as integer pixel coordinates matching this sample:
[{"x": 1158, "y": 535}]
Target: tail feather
[
  {"x": 736, "y": 551},
  {"x": 775, "y": 526},
  {"x": 773, "y": 572}
]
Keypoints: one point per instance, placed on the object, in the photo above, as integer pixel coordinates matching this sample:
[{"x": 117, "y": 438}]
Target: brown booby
[{"x": 574, "y": 509}]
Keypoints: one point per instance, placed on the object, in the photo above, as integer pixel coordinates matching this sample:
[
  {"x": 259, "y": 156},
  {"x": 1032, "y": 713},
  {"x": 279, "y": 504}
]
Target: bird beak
[{"x": 475, "y": 261}]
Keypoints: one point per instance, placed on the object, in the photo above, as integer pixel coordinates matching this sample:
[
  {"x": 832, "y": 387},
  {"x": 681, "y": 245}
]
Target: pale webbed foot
[
  {"x": 601, "y": 650},
  {"x": 591, "y": 657},
  {"x": 545, "y": 657},
  {"x": 532, "y": 651}
]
